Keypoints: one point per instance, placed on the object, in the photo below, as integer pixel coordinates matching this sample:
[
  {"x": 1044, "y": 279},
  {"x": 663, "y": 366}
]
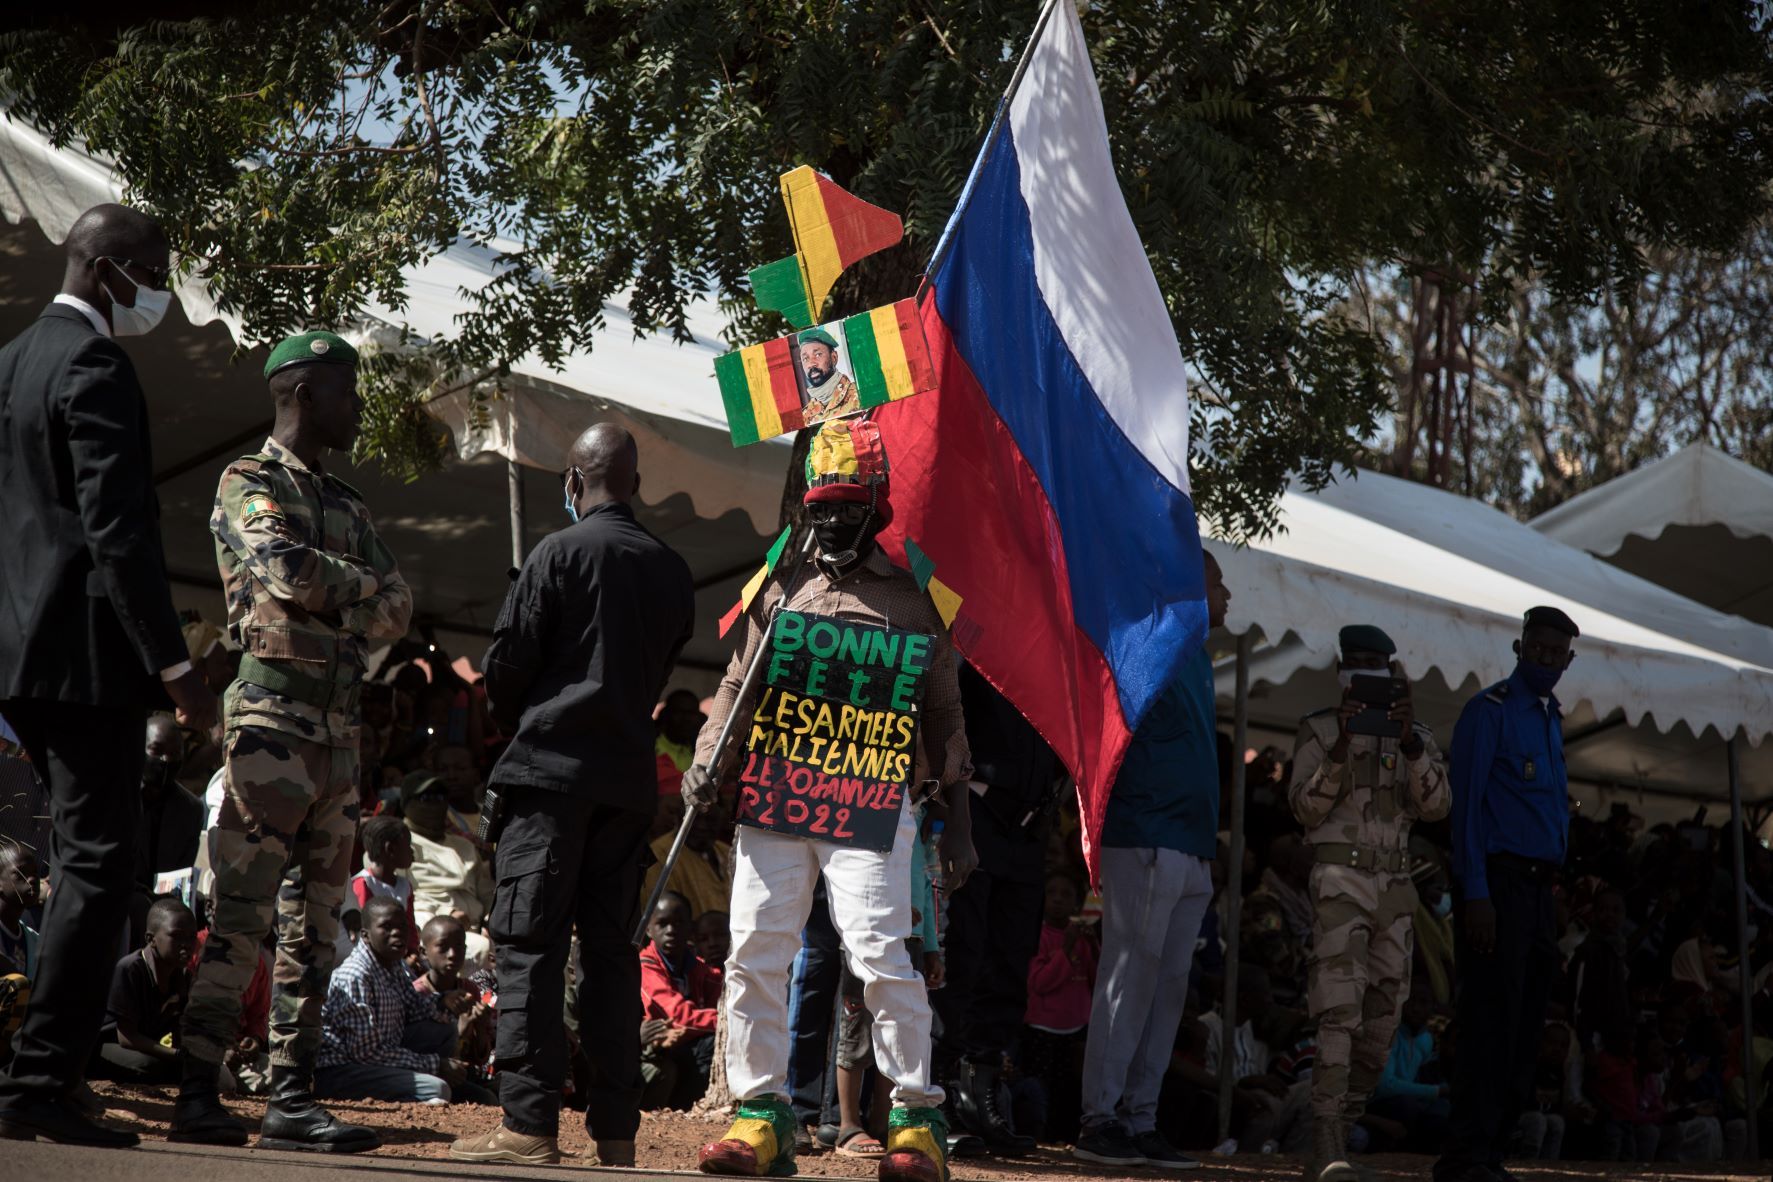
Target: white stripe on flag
[{"x": 1091, "y": 267}]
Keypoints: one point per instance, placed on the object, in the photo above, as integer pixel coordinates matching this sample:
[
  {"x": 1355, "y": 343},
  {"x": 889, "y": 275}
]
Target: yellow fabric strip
[
  {"x": 814, "y": 242},
  {"x": 753, "y": 587},
  {"x": 763, "y": 399},
  {"x": 946, "y": 601},
  {"x": 891, "y": 346}
]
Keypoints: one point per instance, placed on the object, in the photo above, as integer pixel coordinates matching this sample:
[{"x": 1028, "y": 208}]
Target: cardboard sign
[
  {"x": 842, "y": 368},
  {"x": 833, "y": 741}
]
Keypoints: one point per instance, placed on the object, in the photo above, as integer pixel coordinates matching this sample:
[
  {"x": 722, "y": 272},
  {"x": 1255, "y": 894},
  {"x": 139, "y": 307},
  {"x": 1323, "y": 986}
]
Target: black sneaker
[
  {"x": 1108, "y": 1145},
  {"x": 1161, "y": 1154}
]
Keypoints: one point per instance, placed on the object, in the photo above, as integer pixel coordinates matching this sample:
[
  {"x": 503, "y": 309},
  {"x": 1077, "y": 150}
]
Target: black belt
[{"x": 1535, "y": 868}]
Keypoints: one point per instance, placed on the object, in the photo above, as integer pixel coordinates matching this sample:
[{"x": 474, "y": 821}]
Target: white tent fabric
[
  {"x": 665, "y": 393},
  {"x": 1698, "y": 522},
  {"x": 1698, "y": 485},
  {"x": 450, "y": 530},
  {"x": 1448, "y": 578}
]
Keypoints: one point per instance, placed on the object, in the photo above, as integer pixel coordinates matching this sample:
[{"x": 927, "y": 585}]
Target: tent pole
[
  {"x": 1744, "y": 970},
  {"x": 1234, "y": 887},
  {"x": 514, "y": 482}
]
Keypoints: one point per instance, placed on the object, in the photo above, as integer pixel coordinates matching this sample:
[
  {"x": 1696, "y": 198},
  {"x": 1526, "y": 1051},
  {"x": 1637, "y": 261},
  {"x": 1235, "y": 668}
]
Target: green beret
[
  {"x": 1550, "y": 617},
  {"x": 307, "y": 347},
  {"x": 1367, "y": 639},
  {"x": 816, "y": 336}
]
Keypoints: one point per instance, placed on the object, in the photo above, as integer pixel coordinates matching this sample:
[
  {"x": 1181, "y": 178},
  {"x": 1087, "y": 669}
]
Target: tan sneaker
[
  {"x": 614, "y": 1153},
  {"x": 503, "y": 1145}
]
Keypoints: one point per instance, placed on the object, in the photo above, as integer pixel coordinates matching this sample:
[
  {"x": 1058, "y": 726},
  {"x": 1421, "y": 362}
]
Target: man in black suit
[
  {"x": 582, "y": 648},
  {"x": 88, "y": 637}
]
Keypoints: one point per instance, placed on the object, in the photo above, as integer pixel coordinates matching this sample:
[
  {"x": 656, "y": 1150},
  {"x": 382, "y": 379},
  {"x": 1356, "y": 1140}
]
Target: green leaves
[{"x": 304, "y": 154}]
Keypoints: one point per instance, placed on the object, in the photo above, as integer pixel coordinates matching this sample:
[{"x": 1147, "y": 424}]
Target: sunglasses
[
  {"x": 839, "y": 512},
  {"x": 157, "y": 276}
]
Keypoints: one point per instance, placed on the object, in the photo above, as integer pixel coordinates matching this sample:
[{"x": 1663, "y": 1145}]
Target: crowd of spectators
[{"x": 1640, "y": 1059}]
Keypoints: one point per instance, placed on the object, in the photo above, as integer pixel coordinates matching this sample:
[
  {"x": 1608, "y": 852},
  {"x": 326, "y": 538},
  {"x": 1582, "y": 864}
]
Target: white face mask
[
  {"x": 140, "y": 320},
  {"x": 1345, "y": 678}
]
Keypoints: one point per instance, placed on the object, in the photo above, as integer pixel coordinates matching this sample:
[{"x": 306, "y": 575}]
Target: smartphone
[{"x": 1376, "y": 692}]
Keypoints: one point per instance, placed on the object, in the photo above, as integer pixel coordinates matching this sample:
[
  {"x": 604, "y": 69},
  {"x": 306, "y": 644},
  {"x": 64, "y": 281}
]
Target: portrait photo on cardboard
[{"x": 824, "y": 373}]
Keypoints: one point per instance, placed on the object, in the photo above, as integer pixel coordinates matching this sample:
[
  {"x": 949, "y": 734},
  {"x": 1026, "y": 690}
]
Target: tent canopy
[
  {"x": 1698, "y": 522},
  {"x": 713, "y": 503},
  {"x": 1658, "y": 684}
]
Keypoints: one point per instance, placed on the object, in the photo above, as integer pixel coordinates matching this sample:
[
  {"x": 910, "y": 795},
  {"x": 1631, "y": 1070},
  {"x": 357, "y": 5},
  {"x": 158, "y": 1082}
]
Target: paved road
[{"x": 162, "y": 1161}]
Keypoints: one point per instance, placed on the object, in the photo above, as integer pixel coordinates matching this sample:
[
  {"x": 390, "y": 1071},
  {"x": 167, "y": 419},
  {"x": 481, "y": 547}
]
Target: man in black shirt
[
  {"x": 586, "y": 640},
  {"x": 994, "y": 919}
]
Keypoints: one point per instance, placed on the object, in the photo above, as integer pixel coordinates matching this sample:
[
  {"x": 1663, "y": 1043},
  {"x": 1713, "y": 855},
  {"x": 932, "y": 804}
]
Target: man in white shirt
[{"x": 449, "y": 874}]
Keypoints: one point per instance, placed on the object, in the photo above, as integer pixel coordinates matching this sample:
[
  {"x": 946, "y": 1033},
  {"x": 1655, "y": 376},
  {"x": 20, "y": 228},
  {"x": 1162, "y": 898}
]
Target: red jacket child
[{"x": 691, "y": 1002}]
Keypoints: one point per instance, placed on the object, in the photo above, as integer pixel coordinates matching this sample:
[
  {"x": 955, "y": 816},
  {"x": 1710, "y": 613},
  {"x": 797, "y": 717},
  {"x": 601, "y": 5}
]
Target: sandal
[{"x": 855, "y": 1141}]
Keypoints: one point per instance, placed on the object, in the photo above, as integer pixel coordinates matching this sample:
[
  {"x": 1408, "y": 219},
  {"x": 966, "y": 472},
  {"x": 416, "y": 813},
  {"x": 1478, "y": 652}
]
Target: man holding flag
[{"x": 869, "y": 890}]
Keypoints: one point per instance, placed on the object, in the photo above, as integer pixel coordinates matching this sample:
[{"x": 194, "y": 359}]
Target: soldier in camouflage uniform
[
  {"x": 308, "y": 584},
  {"x": 1356, "y": 796}
]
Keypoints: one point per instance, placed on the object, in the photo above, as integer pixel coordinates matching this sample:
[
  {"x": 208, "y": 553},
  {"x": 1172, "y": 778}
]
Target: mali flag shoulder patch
[{"x": 258, "y": 506}]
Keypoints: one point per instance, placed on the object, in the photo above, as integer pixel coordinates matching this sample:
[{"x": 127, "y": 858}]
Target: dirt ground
[{"x": 668, "y": 1141}]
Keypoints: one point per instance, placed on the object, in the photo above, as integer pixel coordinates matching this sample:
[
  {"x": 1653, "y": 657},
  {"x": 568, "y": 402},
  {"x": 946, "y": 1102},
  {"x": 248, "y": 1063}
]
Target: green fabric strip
[
  {"x": 735, "y": 391},
  {"x": 781, "y": 544},
  {"x": 779, "y": 287},
  {"x": 871, "y": 384},
  {"x": 922, "y": 565}
]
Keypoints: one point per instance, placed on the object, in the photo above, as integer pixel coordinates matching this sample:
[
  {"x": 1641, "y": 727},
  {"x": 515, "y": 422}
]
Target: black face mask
[{"x": 841, "y": 543}]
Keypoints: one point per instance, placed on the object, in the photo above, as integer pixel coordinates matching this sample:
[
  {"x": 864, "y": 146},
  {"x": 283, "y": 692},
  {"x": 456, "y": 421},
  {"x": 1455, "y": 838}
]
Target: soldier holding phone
[{"x": 1363, "y": 770}]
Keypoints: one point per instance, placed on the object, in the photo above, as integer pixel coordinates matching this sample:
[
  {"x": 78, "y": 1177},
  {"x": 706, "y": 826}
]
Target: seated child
[
  {"x": 246, "y": 1070},
  {"x": 148, "y": 992},
  {"x": 681, "y": 999},
  {"x": 20, "y": 877},
  {"x": 714, "y": 939},
  {"x": 380, "y": 1038},
  {"x": 444, "y": 946},
  {"x": 387, "y": 854}
]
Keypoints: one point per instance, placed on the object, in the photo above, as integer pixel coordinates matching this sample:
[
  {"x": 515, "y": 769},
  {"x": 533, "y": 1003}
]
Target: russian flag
[{"x": 1047, "y": 476}]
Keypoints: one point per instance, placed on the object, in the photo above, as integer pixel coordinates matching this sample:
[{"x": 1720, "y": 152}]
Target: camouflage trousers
[
  {"x": 1360, "y": 976},
  {"x": 291, "y": 805}
]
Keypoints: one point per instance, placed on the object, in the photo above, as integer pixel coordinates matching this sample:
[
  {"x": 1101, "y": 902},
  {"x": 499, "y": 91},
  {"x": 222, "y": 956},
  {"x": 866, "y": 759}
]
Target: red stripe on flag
[
  {"x": 783, "y": 386},
  {"x": 857, "y": 228},
  {"x": 917, "y": 355},
  {"x": 963, "y": 490}
]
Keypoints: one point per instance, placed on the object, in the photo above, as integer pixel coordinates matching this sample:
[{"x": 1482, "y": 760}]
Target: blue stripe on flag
[{"x": 1130, "y": 539}]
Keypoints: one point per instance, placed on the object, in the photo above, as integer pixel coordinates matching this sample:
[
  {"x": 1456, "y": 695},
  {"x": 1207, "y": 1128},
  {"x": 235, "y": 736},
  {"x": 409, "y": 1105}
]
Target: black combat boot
[
  {"x": 978, "y": 1109},
  {"x": 198, "y": 1116},
  {"x": 293, "y": 1120}
]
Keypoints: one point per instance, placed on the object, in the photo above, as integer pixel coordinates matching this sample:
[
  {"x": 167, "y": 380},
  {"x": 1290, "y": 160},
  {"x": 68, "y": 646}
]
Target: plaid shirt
[
  {"x": 367, "y": 1009},
  {"x": 875, "y": 592}
]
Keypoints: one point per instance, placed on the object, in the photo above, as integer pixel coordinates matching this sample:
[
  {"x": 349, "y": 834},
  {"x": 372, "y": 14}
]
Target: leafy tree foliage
[
  {"x": 1564, "y": 397},
  {"x": 304, "y": 153}
]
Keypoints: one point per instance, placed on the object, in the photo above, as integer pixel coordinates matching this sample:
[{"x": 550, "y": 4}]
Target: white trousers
[
  {"x": 1153, "y": 902},
  {"x": 870, "y": 895}
]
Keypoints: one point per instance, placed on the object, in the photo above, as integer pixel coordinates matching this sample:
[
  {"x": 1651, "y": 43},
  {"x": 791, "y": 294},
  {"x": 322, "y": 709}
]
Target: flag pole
[
  {"x": 716, "y": 765},
  {"x": 997, "y": 121}
]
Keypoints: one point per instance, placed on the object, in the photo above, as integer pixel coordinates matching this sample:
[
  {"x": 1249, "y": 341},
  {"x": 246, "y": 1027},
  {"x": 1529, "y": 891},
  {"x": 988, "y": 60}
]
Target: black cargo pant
[
  {"x": 1501, "y": 1012},
  {"x": 993, "y": 932},
  {"x": 565, "y": 861}
]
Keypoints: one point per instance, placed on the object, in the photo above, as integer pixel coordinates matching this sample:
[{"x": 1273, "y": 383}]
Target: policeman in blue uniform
[{"x": 1510, "y": 830}]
